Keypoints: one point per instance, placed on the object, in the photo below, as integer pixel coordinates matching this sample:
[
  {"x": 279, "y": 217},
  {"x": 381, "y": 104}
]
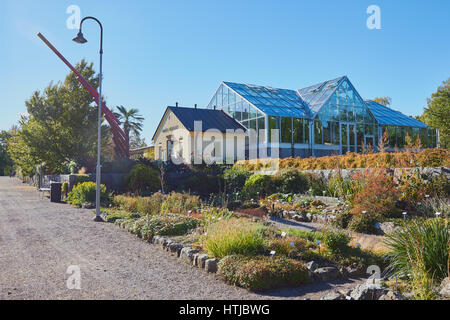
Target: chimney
[
  {"x": 214, "y": 107},
  {"x": 195, "y": 106},
  {"x": 176, "y": 104}
]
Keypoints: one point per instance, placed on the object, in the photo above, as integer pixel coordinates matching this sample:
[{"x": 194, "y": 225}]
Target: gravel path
[{"x": 39, "y": 240}]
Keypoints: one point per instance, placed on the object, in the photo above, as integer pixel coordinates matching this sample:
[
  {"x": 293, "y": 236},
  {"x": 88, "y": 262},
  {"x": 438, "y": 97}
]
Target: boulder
[
  {"x": 312, "y": 266},
  {"x": 334, "y": 295},
  {"x": 388, "y": 227},
  {"x": 187, "y": 254},
  {"x": 391, "y": 295},
  {"x": 367, "y": 291},
  {"x": 201, "y": 260},
  {"x": 175, "y": 248},
  {"x": 211, "y": 265},
  {"x": 328, "y": 273},
  {"x": 444, "y": 289}
]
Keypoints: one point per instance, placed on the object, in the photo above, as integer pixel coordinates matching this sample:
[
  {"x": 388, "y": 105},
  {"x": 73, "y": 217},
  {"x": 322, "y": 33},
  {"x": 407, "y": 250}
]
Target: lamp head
[{"x": 80, "y": 38}]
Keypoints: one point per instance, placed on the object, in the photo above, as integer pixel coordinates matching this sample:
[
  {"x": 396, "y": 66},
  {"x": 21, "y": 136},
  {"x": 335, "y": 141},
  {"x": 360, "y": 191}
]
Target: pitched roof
[
  {"x": 317, "y": 95},
  {"x": 272, "y": 101},
  {"x": 211, "y": 119},
  {"x": 387, "y": 116}
]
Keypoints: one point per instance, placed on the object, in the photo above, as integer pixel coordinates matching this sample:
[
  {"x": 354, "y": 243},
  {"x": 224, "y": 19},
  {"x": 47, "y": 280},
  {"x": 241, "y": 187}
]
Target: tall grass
[
  {"x": 420, "y": 251},
  {"x": 234, "y": 236}
]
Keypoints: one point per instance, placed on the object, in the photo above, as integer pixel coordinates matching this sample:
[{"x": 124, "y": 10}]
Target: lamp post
[{"x": 80, "y": 39}]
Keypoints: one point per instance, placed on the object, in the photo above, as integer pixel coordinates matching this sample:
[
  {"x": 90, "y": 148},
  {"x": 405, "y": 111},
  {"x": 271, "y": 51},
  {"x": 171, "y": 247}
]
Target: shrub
[
  {"x": 81, "y": 178},
  {"x": 337, "y": 243},
  {"x": 234, "y": 236},
  {"x": 85, "y": 193},
  {"x": 315, "y": 184},
  {"x": 258, "y": 185},
  {"x": 65, "y": 188},
  {"x": 235, "y": 178},
  {"x": 424, "y": 243},
  {"x": 363, "y": 223},
  {"x": 180, "y": 203},
  {"x": 164, "y": 225},
  {"x": 150, "y": 205},
  {"x": 429, "y": 207},
  {"x": 426, "y": 158},
  {"x": 304, "y": 234},
  {"x": 263, "y": 273},
  {"x": 340, "y": 187},
  {"x": 342, "y": 219},
  {"x": 291, "y": 246},
  {"x": 112, "y": 215},
  {"x": 203, "y": 184},
  {"x": 377, "y": 194},
  {"x": 290, "y": 181},
  {"x": 143, "y": 178},
  {"x": 126, "y": 203}
]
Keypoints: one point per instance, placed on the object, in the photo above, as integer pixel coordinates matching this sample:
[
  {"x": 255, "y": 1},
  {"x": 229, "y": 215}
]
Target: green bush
[
  {"x": 304, "y": 234},
  {"x": 235, "y": 178},
  {"x": 262, "y": 273},
  {"x": 257, "y": 186},
  {"x": 81, "y": 178},
  {"x": 203, "y": 184},
  {"x": 315, "y": 184},
  {"x": 85, "y": 193},
  {"x": 143, "y": 178},
  {"x": 290, "y": 181},
  {"x": 164, "y": 225},
  {"x": 364, "y": 223},
  {"x": 420, "y": 242},
  {"x": 339, "y": 187},
  {"x": 234, "y": 236},
  {"x": 342, "y": 220},
  {"x": 112, "y": 215},
  {"x": 337, "y": 243}
]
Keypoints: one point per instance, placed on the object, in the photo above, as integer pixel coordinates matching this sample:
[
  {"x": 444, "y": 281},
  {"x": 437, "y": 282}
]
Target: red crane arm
[{"x": 119, "y": 136}]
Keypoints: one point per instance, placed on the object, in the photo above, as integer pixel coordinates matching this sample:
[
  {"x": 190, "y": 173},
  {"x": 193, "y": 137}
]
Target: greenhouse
[{"x": 324, "y": 119}]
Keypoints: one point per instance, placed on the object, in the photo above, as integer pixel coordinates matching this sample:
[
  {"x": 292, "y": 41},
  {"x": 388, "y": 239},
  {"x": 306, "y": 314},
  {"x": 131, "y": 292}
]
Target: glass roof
[
  {"x": 315, "y": 96},
  {"x": 272, "y": 101},
  {"x": 387, "y": 116}
]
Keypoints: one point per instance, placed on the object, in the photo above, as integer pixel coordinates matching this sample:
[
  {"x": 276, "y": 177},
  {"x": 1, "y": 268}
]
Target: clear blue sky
[{"x": 160, "y": 52}]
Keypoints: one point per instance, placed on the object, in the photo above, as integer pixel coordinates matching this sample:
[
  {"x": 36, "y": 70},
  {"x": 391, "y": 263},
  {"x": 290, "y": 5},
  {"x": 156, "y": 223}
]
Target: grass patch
[{"x": 234, "y": 236}]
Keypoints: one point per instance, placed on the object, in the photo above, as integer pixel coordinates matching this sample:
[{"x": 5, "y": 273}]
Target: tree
[
  {"x": 61, "y": 125},
  {"x": 6, "y": 163},
  {"x": 137, "y": 142},
  {"x": 131, "y": 121},
  {"x": 385, "y": 101},
  {"x": 437, "y": 115}
]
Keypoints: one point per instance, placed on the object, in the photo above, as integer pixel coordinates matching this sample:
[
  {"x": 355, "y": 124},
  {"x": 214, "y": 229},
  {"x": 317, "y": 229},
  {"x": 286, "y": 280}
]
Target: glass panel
[
  {"x": 336, "y": 139},
  {"x": 306, "y": 130},
  {"x": 286, "y": 130},
  {"x": 351, "y": 132},
  {"x": 327, "y": 133},
  {"x": 359, "y": 135},
  {"x": 344, "y": 135},
  {"x": 317, "y": 132},
  {"x": 238, "y": 116},
  {"x": 274, "y": 123},
  {"x": 297, "y": 130}
]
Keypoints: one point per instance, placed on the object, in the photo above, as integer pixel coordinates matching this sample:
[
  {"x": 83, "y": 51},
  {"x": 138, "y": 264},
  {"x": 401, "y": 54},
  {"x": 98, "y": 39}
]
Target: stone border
[{"x": 187, "y": 254}]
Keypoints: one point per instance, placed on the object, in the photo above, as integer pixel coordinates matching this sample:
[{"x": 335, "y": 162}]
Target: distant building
[
  {"x": 145, "y": 152},
  {"x": 324, "y": 119}
]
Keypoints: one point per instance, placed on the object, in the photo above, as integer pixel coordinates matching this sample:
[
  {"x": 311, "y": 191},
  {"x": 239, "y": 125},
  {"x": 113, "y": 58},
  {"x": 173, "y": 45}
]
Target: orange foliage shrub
[{"x": 411, "y": 157}]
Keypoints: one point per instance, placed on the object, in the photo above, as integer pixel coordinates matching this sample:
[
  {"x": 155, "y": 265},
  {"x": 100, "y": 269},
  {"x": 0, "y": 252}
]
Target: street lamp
[{"x": 80, "y": 39}]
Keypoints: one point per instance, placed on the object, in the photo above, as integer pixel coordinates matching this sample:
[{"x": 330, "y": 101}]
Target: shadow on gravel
[
  {"x": 293, "y": 224},
  {"x": 312, "y": 288}
]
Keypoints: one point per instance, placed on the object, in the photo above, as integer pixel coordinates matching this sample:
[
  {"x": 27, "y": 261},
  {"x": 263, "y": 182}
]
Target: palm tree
[{"x": 131, "y": 120}]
